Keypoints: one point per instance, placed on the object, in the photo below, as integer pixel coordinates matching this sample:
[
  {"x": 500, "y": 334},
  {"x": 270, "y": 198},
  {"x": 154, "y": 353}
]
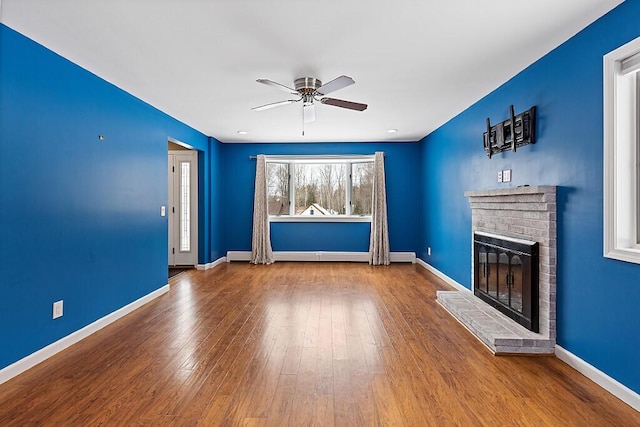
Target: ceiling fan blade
[
  {"x": 344, "y": 104},
  {"x": 309, "y": 113},
  {"x": 278, "y": 86},
  {"x": 335, "y": 84},
  {"x": 275, "y": 104}
]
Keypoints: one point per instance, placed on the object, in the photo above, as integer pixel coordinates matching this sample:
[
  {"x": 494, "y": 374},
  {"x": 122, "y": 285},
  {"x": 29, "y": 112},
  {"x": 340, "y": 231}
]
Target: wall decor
[{"x": 516, "y": 131}]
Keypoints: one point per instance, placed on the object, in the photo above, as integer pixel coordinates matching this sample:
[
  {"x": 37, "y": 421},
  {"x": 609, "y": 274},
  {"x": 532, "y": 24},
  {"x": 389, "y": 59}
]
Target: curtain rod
[{"x": 311, "y": 156}]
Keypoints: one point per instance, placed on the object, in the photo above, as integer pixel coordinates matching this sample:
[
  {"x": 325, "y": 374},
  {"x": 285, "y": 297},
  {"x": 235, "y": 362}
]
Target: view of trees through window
[
  {"x": 278, "y": 188},
  {"x": 361, "y": 188},
  {"x": 320, "y": 188}
]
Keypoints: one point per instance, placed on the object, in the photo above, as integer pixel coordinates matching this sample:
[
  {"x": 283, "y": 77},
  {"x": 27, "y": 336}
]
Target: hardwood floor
[{"x": 300, "y": 344}]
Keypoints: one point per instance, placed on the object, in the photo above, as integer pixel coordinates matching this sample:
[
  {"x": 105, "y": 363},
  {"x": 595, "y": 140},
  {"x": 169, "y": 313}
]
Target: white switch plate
[
  {"x": 499, "y": 176},
  {"x": 506, "y": 175},
  {"x": 429, "y": 251},
  {"x": 163, "y": 211},
  {"x": 57, "y": 309}
]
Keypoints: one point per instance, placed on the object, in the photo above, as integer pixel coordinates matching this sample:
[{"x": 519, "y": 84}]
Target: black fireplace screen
[{"x": 506, "y": 276}]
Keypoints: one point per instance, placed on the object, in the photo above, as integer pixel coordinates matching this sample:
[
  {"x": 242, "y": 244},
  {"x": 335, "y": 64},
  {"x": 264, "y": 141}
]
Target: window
[
  {"x": 319, "y": 188},
  {"x": 361, "y": 188},
  {"x": 621, "y": 148},
  {"x": 185, "y": 206},
  {"x": 277, "y": 188}
]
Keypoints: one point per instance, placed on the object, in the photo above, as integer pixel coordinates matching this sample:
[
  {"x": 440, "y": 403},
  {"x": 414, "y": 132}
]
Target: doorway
[{"x": 183, "y": 207}]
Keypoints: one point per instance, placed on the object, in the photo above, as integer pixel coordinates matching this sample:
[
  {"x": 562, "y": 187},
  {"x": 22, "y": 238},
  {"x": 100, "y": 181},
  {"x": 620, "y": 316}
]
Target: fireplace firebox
[{"x": 506, "y": 276}]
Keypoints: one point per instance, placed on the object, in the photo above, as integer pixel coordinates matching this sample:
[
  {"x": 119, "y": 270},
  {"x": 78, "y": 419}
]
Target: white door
[{"x": 183, "y": 207}]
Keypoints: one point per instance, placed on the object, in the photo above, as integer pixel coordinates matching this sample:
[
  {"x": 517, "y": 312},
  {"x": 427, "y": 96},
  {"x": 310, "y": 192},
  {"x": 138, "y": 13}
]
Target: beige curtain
[
  {"x": 261, "y": 252},
  {"x": 379, "y": 240}
]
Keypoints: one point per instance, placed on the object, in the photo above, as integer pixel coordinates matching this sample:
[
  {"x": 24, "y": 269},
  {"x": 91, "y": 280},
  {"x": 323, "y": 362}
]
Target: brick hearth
[{"x": 523, "y": 213}]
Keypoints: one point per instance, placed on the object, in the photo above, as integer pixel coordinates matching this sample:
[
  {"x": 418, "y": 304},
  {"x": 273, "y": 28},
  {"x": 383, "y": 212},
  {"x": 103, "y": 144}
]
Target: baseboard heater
[{"x": 328, "y": 256}]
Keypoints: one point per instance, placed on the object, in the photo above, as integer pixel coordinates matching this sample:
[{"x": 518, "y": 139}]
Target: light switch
[
  {"x": 499, "y": 176},
  {"x": 163, "y": 211}
]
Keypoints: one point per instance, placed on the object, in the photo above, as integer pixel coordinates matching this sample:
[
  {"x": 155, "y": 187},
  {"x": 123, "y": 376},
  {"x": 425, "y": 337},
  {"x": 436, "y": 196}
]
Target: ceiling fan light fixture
[
  {"x": 309, "y": 112},
  {"x": 310, "y": 89}
]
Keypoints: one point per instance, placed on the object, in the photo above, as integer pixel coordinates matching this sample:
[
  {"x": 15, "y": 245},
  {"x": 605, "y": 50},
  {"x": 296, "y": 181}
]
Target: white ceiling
[{"x": 417, "y": 63}]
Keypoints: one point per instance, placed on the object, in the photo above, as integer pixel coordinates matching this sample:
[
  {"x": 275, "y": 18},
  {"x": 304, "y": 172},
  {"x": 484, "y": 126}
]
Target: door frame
[{"x": 190, "y": 257}]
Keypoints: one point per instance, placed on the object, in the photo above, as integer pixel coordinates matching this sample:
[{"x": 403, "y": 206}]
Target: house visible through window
[
  {"x": 319, "y": 189},
  {"x": 322, "y": 187},
  {"x": 622, "y": 153}
]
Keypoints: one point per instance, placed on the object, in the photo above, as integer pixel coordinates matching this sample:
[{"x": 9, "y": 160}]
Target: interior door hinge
[{"x": 173, "y": 250}]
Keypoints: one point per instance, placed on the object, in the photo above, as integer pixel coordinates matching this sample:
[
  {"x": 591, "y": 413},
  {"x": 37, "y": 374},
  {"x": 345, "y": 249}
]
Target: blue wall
[
  {"x": 401, "y": 169},
  {"x": 598, "y": 298},
  {"x": 80, "y": 217}
]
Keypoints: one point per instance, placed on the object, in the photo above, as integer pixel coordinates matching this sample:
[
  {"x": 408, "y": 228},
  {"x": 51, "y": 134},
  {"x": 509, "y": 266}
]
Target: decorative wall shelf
[{"x": 516, "y": 131}]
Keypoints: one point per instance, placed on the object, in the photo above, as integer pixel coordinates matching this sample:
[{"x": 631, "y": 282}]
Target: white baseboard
[
  {"x": 46, "y": 352},
  {"x": 210, "y": 265},
  {"x": 322, "y": 256},
  {"x": 443, "y": 276},
  {"x": 619, "y": 390}
]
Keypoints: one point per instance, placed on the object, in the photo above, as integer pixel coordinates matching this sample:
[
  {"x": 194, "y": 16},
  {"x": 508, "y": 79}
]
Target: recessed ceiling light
[
  {"x": 392, "y": 130},
  {"x": 243, "y": 132}
]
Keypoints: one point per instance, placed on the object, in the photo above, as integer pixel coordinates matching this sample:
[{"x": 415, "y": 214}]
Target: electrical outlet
[
  {"x": 499, "y": 176},
  {"x": 163, "y": 210},
  {"x": 429, "y": 251},
  {"x": 506, "y": 175},
  {"x": 57, "y": 309}
]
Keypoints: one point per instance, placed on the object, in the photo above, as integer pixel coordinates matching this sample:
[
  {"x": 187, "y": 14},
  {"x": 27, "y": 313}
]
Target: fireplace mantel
[
  {"x": 523, "y": 213},
  {"x": 527, "y": 189}
]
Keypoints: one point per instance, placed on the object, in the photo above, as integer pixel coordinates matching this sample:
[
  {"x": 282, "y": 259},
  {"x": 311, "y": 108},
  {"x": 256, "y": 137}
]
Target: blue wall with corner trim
[
  {"x": 80, "y": 217},
  {"x": 217, "y": 249},
  {"x": 401, "y": 169},
  {"x": 597, "y": 298}
]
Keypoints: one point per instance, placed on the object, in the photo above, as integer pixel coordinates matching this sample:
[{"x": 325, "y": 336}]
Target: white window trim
[
  {"x": 621, "y": 153},
  {"x": 346, "y": 158},
  {"x": 311, "y": 159},
  {"x": 322, "y": 218}
]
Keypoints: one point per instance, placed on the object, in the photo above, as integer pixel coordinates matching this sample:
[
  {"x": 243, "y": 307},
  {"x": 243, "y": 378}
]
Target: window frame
[
  {"x": 348, "y": 160},
  {"x": 621, "y": 211}
]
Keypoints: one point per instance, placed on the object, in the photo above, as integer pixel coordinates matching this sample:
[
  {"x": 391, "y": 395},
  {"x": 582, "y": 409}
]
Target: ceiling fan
[{"x": 309, "y": 89}]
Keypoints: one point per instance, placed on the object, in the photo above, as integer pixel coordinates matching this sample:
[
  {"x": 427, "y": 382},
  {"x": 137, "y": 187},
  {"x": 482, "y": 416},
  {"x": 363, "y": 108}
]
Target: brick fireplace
[{"x": 527, "y": 213}]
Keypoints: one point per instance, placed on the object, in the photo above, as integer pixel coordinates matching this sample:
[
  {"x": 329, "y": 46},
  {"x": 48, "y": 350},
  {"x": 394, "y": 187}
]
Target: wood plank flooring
[{"x": 300, "y": 344}]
